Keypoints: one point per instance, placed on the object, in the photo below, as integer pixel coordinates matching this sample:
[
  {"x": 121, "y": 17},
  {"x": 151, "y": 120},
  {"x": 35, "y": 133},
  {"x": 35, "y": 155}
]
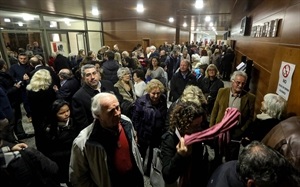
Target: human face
[
  {"x": 126, "y": 77},
  {"x": 154, "y": 62},
  {"x": 184, "y": 66},
  {"x": 195, "y": 126},
  {"x": 211, "y": 72},
  {"x": 92, "y": 77},
  {"x": 63, "y": 114},
  {"x": 155, "y": 95},
  {"x": 135, "y": 78},
  {"x": 22, "y": 59},
  {"x": 110, "y": 113},
  {"x": 238, "y": 84}
]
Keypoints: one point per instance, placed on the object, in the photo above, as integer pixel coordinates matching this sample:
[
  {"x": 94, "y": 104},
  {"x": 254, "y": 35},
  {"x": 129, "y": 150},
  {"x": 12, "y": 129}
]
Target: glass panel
[
  {"x": 77, "y": 42},
  {"x": 18, "y": 20},
  {"x": 52, "y": 22},
  {"x": 59, "y": 43},
  {"x": 93, "y": 25},
  {"x": 95, "y": 41}
]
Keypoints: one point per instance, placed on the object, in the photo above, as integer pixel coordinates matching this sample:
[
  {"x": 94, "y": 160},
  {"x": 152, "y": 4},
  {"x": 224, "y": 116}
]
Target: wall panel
[{"x": 267, "y": 53}]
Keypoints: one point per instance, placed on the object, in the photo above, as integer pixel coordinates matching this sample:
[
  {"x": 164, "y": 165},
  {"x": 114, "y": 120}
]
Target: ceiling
[{"x": 156, "y": 11}]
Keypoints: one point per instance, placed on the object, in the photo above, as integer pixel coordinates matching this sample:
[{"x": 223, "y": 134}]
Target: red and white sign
[{"x": 285, "y": 79}]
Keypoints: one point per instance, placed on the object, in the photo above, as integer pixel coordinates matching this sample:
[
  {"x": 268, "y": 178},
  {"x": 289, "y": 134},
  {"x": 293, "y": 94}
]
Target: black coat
[
  {"x": 193, "y": 168},
  {"x": 61, "y": 62},
  {"x": 178, "y": 84},
  {"x": 68, "y": 89},
  {"x": 33, "y": 170},
  {"x": 81, "y": 103}
]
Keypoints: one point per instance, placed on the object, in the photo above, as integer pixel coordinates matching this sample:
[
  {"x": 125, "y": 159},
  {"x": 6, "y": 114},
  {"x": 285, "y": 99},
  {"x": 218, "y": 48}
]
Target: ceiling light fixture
[
  {"x": 211, "y": 24},
  {"x": 171, "y": 19},
  {"x": 27, "y": 17},
  {"x": 184, "y": 24},
  {"x": 207, "y": 18},
  {"x": 140, "y": 8},
  {"x": 7, "y": 20},
  {"x": 199, "y": 4},
  {"x": 20, "y": 24},
  {"x": 95, "y": 12}
]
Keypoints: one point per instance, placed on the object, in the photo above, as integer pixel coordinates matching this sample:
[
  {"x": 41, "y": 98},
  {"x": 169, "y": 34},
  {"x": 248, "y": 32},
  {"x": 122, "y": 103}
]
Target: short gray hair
[
  {"x": 122, "y": 71},
  {"x": 239, "y": 73},
  {"x": 96, "y": 106},
  {"x": 87, "y": 66},
  {"x": 274, "y": 105}
]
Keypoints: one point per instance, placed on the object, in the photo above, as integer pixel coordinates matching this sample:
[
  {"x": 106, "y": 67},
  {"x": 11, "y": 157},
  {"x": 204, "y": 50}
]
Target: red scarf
[{"x": 122, "y": 154}]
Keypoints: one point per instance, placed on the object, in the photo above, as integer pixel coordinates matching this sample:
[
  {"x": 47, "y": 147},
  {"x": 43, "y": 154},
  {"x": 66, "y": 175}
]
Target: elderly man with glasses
[{"x": 234, "y": 96}]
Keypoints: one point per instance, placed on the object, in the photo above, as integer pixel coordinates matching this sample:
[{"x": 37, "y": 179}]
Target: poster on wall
[
  {"x": 286, "y": 72},
  {"x": 58, "y": 47}
]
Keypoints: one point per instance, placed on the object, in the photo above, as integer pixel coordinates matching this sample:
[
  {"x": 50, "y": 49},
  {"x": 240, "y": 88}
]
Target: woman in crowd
[
  {"x": 155, "y": 71},
  {"x": 41, "y": 96},
  {"x": 191, "y": 93},
  {"x": 126, "y": 89},
  {"x": 210, "y": 86},
  {"x": 216, "y": 58},
  {"x": 148, "y": 118},
  {"x": 60, "y": 134},
  {"x": 139, "y": 83},
  {"x": 188, "y": 163},
  {"x": 273, "y": 108}
]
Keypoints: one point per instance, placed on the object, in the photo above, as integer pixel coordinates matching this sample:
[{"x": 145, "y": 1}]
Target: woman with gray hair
[
  {"x": 126, "y": 89},
  {"x": 273, "y": 108}
]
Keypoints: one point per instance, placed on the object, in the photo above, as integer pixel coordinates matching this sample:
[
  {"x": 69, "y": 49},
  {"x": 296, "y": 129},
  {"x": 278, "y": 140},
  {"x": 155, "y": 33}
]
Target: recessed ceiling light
[
  {"x": 27, "y": 17},
  {"x": 199, "y": 4},
  {"x": 20, "y": 24},
  {"x": 95, "y": 12},
  {"x": 211, "y": 24},
  {"x": 6, "y": 20},
  {"x": 207, "y": 18},
  {"x": 171, "y": 19},
  {"x": 140, "y": 8},
  {"x": 184, "y": 24}
]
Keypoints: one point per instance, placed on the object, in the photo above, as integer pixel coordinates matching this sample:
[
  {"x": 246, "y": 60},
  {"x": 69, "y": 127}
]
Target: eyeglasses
[{"x": 239, "y": 83}]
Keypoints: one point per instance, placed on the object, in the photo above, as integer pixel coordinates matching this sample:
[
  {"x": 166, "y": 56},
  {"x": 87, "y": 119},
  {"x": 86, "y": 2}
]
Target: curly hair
[
  {"x": 183, "y": 115},
  {"x": 154, "y": 83},
  {"x": 193, "y": 94},
  {"x": 41, "y": 80}
]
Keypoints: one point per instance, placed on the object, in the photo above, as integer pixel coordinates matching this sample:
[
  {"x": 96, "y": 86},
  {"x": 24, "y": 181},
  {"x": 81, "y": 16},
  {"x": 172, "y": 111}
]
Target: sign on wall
[{"x": 286, "y": 72}]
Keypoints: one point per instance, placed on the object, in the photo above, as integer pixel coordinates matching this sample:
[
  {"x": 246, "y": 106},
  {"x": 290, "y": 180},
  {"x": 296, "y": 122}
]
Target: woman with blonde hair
[
  {"x": 148, "y": 118},
  {"x": 41, "y": 95}
]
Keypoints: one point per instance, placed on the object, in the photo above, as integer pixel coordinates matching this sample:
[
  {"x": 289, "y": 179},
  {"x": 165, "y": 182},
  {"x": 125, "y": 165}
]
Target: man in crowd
[
  {"x": 258, "y": 166},
  {"x": 81, "y": 101},
  {"x": 105, "y": 153},
  {"x": 234, "y": 96}
]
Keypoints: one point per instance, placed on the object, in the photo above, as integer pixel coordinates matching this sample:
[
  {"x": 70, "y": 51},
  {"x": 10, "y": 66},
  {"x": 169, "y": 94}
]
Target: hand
[
  {"x": 3, "y": 123},
  {"x": 25, "y": 77},
  {"x": 182, "y": 149},
  {"x": 55, "y": 88},
  {"x": 19, "y": 147}
]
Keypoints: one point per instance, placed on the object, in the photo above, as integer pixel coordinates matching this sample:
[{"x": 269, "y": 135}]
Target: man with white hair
[{"x": 105, "y": 153}]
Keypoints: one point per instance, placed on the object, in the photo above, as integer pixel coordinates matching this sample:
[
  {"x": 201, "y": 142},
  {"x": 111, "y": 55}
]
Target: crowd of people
[{"x": 98, "y": 117}]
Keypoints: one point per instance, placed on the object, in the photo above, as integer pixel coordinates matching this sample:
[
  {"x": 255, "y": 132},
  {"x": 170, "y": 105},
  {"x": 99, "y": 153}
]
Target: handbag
[{"x": 156, "y": 178}]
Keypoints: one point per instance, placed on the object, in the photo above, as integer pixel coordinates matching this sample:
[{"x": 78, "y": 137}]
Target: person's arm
[
  {"x": 79, "y": 114},
  {"x": 173, "y": 163},
  {"x": 79, "y": 171},
  {"x": 215, "y": 110}
]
